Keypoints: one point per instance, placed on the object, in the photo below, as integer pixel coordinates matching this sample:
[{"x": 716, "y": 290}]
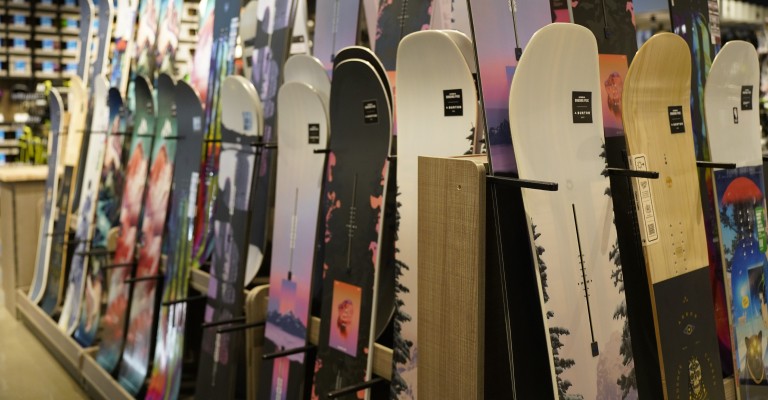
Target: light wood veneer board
[
  {"x": 451, "y": 277},
  {"x": 657, "y": 119}
]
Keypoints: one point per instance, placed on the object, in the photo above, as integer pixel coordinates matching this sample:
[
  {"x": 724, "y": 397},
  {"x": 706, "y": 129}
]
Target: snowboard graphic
[
  {"x": 733, "y": 124},
  {"x": 241, "y": 122},
  {"x": 107, "y": 217},
  {"x": 656, "y": 114},
  {"x": 121, "y": 55},
  {"x": 104, "y": 36},
  {"x": 146, "y": 35},
  {"x": 248, "y": 29},
  {"x": 353, "y": 200},
  {"x": 336, "y": 26},
  {"x": 169, "y": 29},
  {"x": 124, "y": 259},
  {"x": 139, "y": 340},
  {"x": 273, "y": 40},
  {"x": 56, "y": 105},
  {"x": 398, "y": 18},
  {"x": 437, "y": 116},
  {"x": 166, "y": 369},
  {"x": 297, "y": 203},
  {"x": 557, "y": 130},
  {"x": 70, "y": 313}
]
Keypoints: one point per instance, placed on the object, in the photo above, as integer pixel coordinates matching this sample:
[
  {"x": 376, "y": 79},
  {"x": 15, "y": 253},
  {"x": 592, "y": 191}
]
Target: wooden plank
[
  {"x": 451, "y": 277},
  {"x": 23, "y": 173}
]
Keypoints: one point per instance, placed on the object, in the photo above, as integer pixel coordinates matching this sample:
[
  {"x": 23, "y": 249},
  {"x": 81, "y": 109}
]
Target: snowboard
[
  {"x": 557, "y": 130},
  {"x": 698, "y": 23},
  {"x": 56, "y": 105},
  {"x": 309, "y": 70},
  {"x": 248, "y": 29},
  {"x": 70, "y": 312},
  {"x": 450, "y": 14},
  {"x": 112, "y": 179},
  {"x": 222, "y": 55},
  {"x": 87, "y": 16},
  {"x": 336, "y": 26},
  {"x": 656, "y": 114},
  {"x": 354, "y": 196},
  {"x": 146, "y": 35},
  {"x": 105, "y": 21},
  {"x": 733, "y": 123},
  {"x": 165, "y": 380},
  {"x": 125, "y": 22},
  {"x": 397, "y": 19},
  {"x": 516, "y": 359},
  {"x": 201, "y": 62},
  {"x": 437, "y": 114},
  {"x": 54, "y": 281},
  {"x": 169, "y": 29},
  {"x": 300, "y": 43},
  {"x": 241, "y": 124},
  {"x": 365, "y": 54},
  {"x": 297, "y": 210},
  {"x": 273, "y": 40},
  {"x": 124, "y": 258},
  {"x": 142, "y": 316}
]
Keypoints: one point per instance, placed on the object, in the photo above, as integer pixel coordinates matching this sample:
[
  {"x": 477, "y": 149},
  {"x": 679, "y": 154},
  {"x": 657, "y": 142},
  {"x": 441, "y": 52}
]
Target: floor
[{"x": 27, "y": 370}]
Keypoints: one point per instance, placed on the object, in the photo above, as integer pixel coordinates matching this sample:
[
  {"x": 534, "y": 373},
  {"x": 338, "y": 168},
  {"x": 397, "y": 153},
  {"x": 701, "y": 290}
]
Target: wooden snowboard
[
  {"x": 556, "y": 124},
  {"x": 131, "y": 206},
  {"x": 437, "y": 116},
  {"x": 70, "y": 313},
  {"x": 142, "y": 321},
  {"x": 165, "y": 381},
  {"x": 656, "y": 114},
  {"x": 241, "y": 124},
  {"x": 354, "y": 196},
  {"x": 297, "y": 202},
  {"x": 56, "y": 105},
  {"x": 111, "y": 184},
  {"x": 733, "y": 125}
]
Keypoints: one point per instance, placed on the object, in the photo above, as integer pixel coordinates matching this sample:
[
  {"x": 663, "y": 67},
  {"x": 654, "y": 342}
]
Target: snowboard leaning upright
[{"x": 657, "y": 119}]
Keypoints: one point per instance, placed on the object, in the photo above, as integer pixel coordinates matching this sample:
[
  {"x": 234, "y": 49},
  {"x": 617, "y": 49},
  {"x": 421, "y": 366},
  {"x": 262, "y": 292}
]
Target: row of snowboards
[{"x": 208, "y": 174}]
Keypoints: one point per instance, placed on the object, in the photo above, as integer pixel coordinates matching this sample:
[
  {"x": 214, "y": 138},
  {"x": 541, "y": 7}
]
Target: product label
[
  {"x": 247, "y": 120},
  {"x": 192, "y": 200},
  {"x": 313, "y": 132},
  {"x": 453, "y": 104},
  {"x": 746, "y": 97},
  {"x": 761, "y": 235},
  {"x": 676, "y": 122},
  {"x": 582, "y": 107},
  {"x": 644, "y": 194},
  {"x": 197, "y": 124},
  {"x": 370, "y": 112}
]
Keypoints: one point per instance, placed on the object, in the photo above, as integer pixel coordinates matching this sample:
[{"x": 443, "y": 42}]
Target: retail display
[
  {"x": 131, "y": 206},
  {"x": 241, "y": 125},
  {"x": 733, "y": 125},
  {"x": 142, "y": 317},
  {"x": 166, "y": 368},
  {"x": 301, "y": 160},
  {"x": 354, "y": 195},
  {"x": 243, "y": 198},
  {"x": 657, "y": 119}
]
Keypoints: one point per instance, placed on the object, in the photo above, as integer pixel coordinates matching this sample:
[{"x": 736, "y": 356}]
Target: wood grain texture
[
  {"x": 659, "y": 78},
  {"x": 451, "y": 277},
  {"x": 255, "y": 311}
]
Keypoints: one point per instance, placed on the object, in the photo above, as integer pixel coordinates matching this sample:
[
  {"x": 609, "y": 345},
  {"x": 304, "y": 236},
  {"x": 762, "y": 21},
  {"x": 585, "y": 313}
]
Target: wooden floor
[{"x": 27, "y": 370}]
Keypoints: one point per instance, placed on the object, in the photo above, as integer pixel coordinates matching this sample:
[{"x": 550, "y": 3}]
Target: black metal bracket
[
  {"x": 263, "y": 145},
  {"x": 289, "y": 352},
  {"x": 392, "y": 158},
  {"x": 354, "y": 388},
  {"x": 76, "y": 241},
  {"x": 145, "y": 278},
  {"x": 222, "y": 322},
  {"x": 212, "y": 141},
  {"x": 122, "y": 133},
  {"x": 54, "y": 234},
  {"x": 321, "y": 151},
  {"x": 116, "y": 266},
  {"x": 240, "y": 327},
  {"x": 710, "y": 164},
  {"x": 185, "y": 300},
  {"x": 631, "y": 173},
  {"x": 175, "y": 137},
  {"x": 95, "y": 252},
  {"x": 523, "y": 183}
]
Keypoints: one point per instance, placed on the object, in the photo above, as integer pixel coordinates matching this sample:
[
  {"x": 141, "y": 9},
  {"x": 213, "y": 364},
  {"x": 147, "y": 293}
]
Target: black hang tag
[
  {"x": 370, "y": 112},
  {"x": 314, "y": 133},
  {"x": 746, "y": 97},
  {"x": 582, "y": 107},
  {"x": 676, "y": 123},
  {"x": 453, "y": 104}
]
